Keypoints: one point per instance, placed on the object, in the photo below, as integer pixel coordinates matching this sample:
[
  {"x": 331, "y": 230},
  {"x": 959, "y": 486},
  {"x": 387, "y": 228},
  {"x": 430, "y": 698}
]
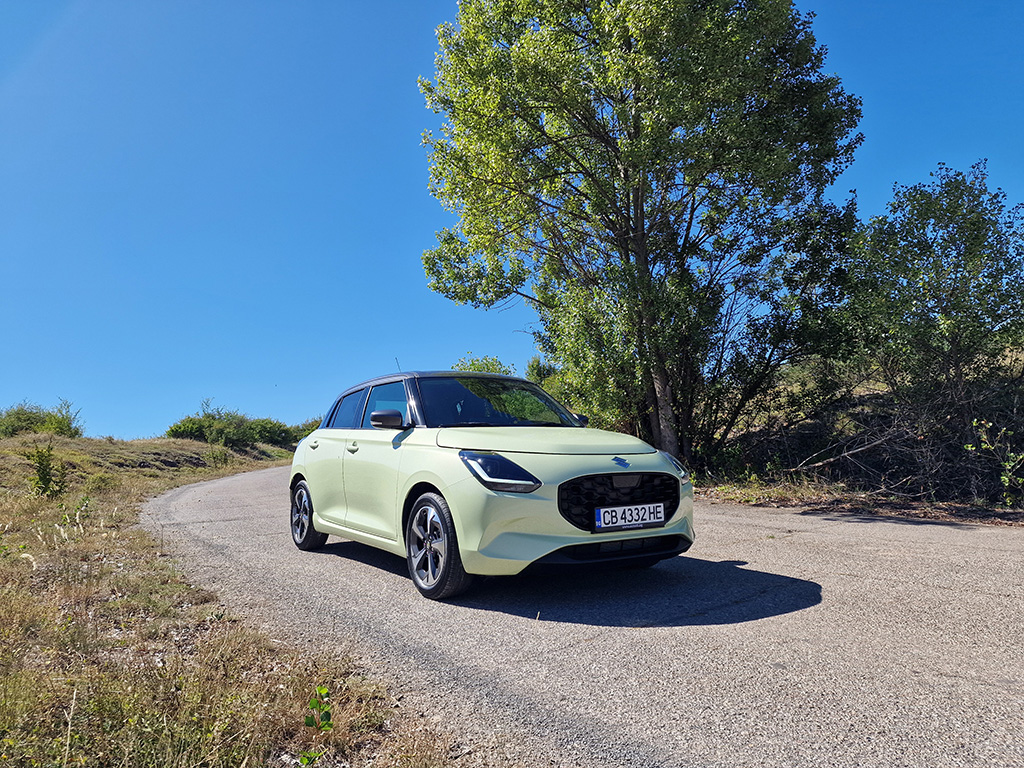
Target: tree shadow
[
  {"x": 914, "y": 513},
  {"x": 681, "y": 591}
]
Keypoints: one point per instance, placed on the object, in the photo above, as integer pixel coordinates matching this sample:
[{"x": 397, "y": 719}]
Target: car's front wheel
[
  {"x": 305, "y": 536},
  {"x": 433, "y": 551}
]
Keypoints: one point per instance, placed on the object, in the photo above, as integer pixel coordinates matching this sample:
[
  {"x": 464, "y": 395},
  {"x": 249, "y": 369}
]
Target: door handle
[
  {"x": 352, "y": 447},
  {"x": 314, "y": 445}
]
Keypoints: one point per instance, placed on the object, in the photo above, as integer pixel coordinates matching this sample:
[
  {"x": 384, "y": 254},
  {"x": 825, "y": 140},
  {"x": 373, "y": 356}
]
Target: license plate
[{"x": 632, "y": 516}]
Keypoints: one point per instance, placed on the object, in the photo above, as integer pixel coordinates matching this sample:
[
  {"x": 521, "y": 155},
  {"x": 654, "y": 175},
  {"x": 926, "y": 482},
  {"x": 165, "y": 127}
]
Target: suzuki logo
[{"x": 621, "y": 462}]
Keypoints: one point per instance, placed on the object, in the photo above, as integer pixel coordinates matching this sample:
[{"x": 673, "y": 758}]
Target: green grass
[{"x": 109, "y": 657}]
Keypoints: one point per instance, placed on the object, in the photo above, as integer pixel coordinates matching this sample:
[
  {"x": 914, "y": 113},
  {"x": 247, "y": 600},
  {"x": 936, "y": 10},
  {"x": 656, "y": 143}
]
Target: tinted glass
[
  {"x": 387, "y": 397},
  {"x": 478, "y": 401},
  {"x": 347, "y": 414}
]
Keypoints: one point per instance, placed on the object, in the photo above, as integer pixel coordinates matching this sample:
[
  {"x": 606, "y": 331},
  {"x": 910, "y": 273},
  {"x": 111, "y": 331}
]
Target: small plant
[
  {"x": 320, "y": 721},
  {"x": 50, "y": 478},
  {"x": 1011, "y": 461},
  {"x": 217, "y": 457}
]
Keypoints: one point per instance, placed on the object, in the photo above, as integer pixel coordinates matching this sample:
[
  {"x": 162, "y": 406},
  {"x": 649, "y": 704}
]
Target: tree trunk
[{"x": 663, "y": 410}]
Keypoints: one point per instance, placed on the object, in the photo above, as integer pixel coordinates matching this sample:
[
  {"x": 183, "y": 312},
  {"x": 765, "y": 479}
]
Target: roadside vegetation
[
  {"x": 232, "y": 429},
  {"x": 29, "y": 417},
  {"x": 108, "y": 657}
]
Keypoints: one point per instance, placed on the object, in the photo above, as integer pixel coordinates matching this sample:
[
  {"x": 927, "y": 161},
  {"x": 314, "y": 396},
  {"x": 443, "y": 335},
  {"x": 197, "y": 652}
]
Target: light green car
[{"x": 471, "y": 473}]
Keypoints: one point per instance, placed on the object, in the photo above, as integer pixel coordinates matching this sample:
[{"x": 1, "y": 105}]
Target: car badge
[{"x": 621, "y": 462}]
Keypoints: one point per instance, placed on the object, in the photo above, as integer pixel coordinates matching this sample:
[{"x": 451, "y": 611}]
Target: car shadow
[
  {"x": 367, "y": 555},
  {"x": 681, "y": 591}
]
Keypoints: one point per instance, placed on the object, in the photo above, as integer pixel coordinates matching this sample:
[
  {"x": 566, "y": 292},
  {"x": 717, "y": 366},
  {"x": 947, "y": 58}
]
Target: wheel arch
[{"x": 414, "y": 493}]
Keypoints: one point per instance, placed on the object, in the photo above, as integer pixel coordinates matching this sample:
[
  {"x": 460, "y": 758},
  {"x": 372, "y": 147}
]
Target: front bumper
[{"x": 503, "y": 533}]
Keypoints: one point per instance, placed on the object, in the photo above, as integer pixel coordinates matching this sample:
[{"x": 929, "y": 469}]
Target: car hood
[{"x": 565, "y": 440}]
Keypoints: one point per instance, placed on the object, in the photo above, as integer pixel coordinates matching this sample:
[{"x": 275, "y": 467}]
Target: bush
[
  {"x": 272, "y": 432},
  {"x": 189, "y": 428},
  {"x": 232, "y": 429},
  {"x": 299, "y": 431},
  {"x": 29, "y": 417},
  {"x": 50, "y": 474}
]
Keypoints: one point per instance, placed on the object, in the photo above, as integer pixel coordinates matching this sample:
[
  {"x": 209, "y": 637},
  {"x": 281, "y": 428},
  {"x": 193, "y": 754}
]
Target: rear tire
[
  {"x": 432, "y": 550},
  {"x": 305, "y": 536}
]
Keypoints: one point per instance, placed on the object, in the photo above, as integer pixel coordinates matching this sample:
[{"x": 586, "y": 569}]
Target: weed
[
  {"x": 50, "y": 478},
  {"x": 999, "y": 446},
  {"x": 217, "y": 457},
  {"x": 320, "y": 721}
]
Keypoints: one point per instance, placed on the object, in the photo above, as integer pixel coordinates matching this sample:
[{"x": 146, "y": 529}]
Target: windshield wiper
[{"x": 471, "y": 424}]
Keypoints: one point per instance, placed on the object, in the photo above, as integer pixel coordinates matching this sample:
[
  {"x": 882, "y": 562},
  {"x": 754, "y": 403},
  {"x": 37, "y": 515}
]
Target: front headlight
[
  {"x": 677, "y": 464},
  {"x": 497, "y": 473}
]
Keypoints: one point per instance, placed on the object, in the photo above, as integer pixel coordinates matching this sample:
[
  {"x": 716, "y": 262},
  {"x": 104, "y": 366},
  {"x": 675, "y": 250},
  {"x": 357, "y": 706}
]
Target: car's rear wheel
[
  {"x": 305, "y": 536},
  {"x": 433, "y": 551}
]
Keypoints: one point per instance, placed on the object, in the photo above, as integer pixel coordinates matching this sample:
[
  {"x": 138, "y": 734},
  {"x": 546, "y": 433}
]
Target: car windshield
[{"x": 477, "y": 401}]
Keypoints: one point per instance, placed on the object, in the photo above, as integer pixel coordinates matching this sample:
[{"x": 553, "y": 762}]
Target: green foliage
[
  {"x": 232, "y": 429},
  {"x": 939, "y": 307},
  {"x": 538, "y": 371},
  {"x": 28, "y": 417},
  {"x": 940, "y": 281},
  {"x": 649, "y": 175},
  {"x": 50, "y": 474},
  {"x": 305, "y": 428},
  {"x": 485, "y": 364},
  {"x": 188, "y": 428},
  {"x": 217, "y": 457},
  {"x": 1008, "y": 454},
  {"x": 319, "y": 720}
]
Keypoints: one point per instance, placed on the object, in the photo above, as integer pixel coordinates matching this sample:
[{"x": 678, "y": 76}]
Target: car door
[
  {"x": 371, "y": 466},
  {"x": 325, "y": 456}
]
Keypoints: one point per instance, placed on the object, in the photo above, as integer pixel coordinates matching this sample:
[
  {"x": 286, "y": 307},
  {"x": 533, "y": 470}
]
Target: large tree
[
  {"x": 649, "y": 175},
  {"x": 938, "y": 294}
]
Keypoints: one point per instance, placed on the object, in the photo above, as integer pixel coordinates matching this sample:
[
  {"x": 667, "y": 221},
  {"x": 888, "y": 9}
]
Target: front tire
[
  {"x": 432, "y": 550},
  {"x": 305, "y": 536}
]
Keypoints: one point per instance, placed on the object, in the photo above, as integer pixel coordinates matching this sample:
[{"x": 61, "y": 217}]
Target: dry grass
[
  {"x": 817, "y": 496},
  {"x": 109, "y": 658}
]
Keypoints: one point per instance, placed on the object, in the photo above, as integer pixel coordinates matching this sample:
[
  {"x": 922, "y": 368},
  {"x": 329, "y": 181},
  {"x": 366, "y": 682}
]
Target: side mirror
[
  {"x": 583, "y": 420},
  {"x": 387, "y": 420}
]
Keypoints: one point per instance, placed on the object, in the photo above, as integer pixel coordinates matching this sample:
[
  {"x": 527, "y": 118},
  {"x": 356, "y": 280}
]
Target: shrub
[
  {"x": 189, "y": 428},
  {"x": 299, "y": 431},
  {"x": 232, "y": 429},
  {"x": 50, "y": 474},
  {"x": 29, "y": 417},
  {"x": 272, "y": 432}
]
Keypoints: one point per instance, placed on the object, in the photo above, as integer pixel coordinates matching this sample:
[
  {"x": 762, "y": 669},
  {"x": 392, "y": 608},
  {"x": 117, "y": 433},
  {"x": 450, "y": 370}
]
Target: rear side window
[
  {"x": 387, "y": 397},
  {"x": 347, "y": 414}
]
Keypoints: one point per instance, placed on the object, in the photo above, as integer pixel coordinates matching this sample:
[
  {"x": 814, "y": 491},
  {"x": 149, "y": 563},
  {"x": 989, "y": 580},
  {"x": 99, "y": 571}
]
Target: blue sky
[{"x": 229, "y": 200}]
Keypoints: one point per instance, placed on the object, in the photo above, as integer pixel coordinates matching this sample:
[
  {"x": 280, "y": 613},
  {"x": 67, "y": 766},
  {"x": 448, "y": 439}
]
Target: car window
[
  {"x": 477, "y": 401},
  {"x": 346, "y": 416},
  {"x": 387, "y": 397}
]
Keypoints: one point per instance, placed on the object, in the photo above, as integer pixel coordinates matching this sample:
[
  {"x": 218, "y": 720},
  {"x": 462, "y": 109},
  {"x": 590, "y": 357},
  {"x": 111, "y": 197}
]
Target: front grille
[{"x": 580, "y": 497}]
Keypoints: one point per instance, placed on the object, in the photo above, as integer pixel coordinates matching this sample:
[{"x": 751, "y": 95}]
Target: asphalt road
[{"x": 781, "y": 639}]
